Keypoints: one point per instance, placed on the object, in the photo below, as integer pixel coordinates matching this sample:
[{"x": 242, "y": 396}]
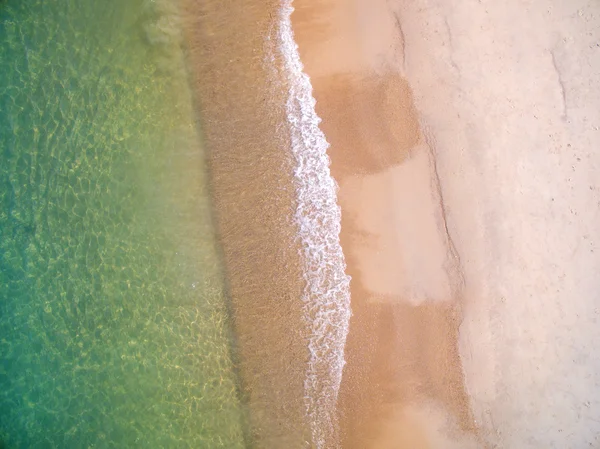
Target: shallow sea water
[{"x": 114, "y": 329}]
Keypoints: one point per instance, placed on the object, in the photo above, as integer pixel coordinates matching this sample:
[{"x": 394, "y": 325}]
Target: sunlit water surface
[{"x": 113, "y": 321}]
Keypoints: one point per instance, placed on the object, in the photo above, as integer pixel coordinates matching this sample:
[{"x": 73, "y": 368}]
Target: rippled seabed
[{"x": 113, "y": 325}]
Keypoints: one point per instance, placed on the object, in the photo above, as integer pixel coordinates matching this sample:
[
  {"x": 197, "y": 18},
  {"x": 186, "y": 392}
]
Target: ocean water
[{"x": 114, "y": 326}]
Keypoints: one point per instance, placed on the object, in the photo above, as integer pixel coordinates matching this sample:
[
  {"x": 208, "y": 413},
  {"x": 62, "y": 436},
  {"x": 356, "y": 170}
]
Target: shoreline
[
  {"x": 277, "y": 226},
  {"x": 493, "y": 161},
  {"x": 326, "y": 294}
]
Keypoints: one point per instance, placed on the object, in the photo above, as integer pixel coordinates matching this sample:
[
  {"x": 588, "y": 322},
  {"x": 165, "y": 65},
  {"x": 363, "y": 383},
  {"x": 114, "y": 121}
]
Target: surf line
[{"x": 326, "y": 294}]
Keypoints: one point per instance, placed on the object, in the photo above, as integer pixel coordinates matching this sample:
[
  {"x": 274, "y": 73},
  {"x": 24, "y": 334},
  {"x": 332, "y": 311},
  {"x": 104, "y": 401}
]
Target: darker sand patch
[
  {"x": 398, "y": 355},
  {"x": 368, "y": 108}
]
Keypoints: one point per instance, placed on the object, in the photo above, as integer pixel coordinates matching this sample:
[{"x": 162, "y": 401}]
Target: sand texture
[
  {"x": 517, "y": 154},
  {"x": 402, "y": 350},
  {"x": 464, "y": 138}
]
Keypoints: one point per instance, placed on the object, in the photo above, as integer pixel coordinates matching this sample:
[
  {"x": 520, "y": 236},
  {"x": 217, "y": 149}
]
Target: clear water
[{"x": 113, "y": 323}]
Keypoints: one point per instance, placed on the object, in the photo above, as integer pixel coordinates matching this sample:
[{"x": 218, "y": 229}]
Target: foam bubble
[{"x": 327, "y": 294}]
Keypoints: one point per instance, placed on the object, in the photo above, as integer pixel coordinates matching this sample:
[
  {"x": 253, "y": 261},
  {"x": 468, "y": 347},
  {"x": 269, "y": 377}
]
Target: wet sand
[{"x": 403, "y": 382}]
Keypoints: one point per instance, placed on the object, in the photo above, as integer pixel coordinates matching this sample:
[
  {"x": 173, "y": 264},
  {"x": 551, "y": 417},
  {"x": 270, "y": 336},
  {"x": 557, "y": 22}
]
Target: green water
[{"x": 113, "y": 324}]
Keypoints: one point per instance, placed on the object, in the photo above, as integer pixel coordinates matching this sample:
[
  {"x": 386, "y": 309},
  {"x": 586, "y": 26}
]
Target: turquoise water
[{"x": 113, "y": 323}]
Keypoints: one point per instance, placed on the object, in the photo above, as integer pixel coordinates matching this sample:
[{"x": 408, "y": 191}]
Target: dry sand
[
  {"x": 465, "y": 140},
  {"x": 517, "y": 148}
]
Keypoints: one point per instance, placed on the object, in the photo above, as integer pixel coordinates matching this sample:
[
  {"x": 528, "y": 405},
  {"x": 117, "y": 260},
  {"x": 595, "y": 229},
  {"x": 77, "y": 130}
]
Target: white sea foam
[{"x": 327, "y": 293}]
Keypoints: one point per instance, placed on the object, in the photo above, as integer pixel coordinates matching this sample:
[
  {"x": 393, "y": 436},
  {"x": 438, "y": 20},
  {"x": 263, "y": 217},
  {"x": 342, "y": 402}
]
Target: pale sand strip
[
  {"x": 403, "y": 383},
  {"x": 511, "y": 91}
]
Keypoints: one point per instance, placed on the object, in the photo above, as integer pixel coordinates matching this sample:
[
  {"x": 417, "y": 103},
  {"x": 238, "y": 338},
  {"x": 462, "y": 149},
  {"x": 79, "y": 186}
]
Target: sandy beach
[
  {"x": 463, "y": 138},
  {"x": 464, "y": 141}
]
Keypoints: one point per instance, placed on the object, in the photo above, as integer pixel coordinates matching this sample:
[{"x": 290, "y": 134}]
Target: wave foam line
[{"x": 327, "y": 293}]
